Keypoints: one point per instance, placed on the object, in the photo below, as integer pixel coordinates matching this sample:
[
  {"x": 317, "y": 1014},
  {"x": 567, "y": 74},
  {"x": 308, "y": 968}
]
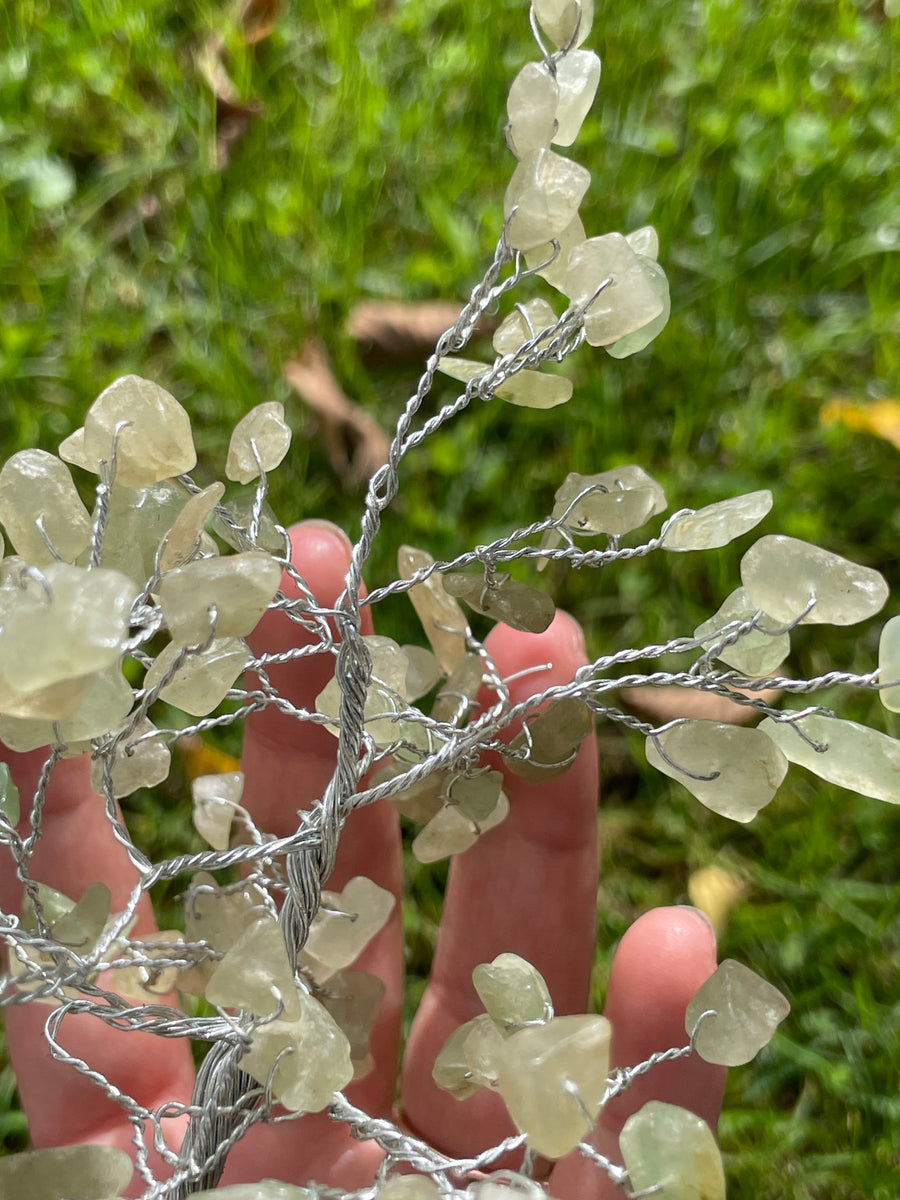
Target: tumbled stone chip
[
  {"x": 202, "y": 680},
  {"x": 152, "y": 432},
  {"x": 37, "y": 492},
  {"x": 542, "y": 198},
  {"x": 215, "y": 800},
  {"x": 468, "y": 1059},
  {"x": 627, "y": 303},
  {"x": 611, "y": 502},
  {"x": 539, "y": 1069},
  {"x": 237, "y": 589},
  {"x": 747, "y": 1012},
  {"x": 555, "y": 272},
  {"x": 555, "y": 736},
  {"x": 523, "y": 323},
  {"x": 77, "y": 1171},
  {"x": 578, "y": 76},
  {"x": 531, "y": 107},
  {"x": 673, "y": 1150},
  {"x": 564, "y": 20},
  {"x": 512, "y": 991},
  {"x": 755, "y": 653},
  {"x": 185, "y": 539},
  {"x": 141, "y": 761},
  {"x": 717, "y": 524},
  {"x": 255, "y": 973},
  {"x": 731, "y": 769},
  {"x": 443, "y": 621},
  {"x": 260, "y": 439},
  {"x": 889, "y": 664},
  {"x": 782, "y": 574},
  {"x": 858, "y": 758},
  {"x": 347, "y": 922},
  {"x": 503, "y": 599}
]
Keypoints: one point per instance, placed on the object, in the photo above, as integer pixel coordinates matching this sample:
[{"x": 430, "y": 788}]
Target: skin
[{"x": 528, "y": 886}]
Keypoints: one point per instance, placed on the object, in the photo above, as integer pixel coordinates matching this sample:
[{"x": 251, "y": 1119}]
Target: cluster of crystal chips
[
  {"x": 82, "y": 589},
  {"x": 613, "y": 503},
  {"x": 551, "y": 1071}
]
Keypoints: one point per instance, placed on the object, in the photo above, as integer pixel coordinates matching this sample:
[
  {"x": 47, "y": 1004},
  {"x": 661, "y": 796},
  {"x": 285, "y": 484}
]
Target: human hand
[{"x": 528, "y": 886}]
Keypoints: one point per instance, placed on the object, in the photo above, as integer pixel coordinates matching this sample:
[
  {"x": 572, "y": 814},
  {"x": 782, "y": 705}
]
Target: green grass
[{"x": 760, "y": 139}]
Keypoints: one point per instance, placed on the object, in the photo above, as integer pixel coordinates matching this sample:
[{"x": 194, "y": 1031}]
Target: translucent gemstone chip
[
  {"x": 65, "y": 1171},
  {"x": 543, "y": 1068},
  {"x": 782, "y": 574},
  {"x": 503, "y": 599},
  {"x": 409, "y": 1187},
  {"x": 628, "y": 303},
  {"x": 639, "y": 338},
  {"x": 152, "y": 432},
  {"x": 9, "y": 795},
  {"x": 81, "y": 926},
  {"x": 60, "y": 624},
  {"x": 555, "y": 273},
  {"x": 312, "y": 1055},
  {"x": 553, "y": 738},
  {"x": 423, "y": 672},
  {"x": 756, "y": 653},
  {"x": 150, "y": 979},
  {"x": 528, "y": 389},
  {"x": 264, "y": 431},
  {"x": 142, "y": 761},
  {"x": 732, "y": 769},
  {"x": 139, "y": 519},
  {"x": 565, "y": 20},
  {"x": 858, "y": 758},
  {"x": 522, "y": 324},
  {"x": 542, "y": 198},
  {"x": 512, "y": 991},
  {"x": 353, "y": 999},
  {"x": 384, "y": 695},
  {"x": 455, "y": 698},
  {"x": 468, "y": 1059},
  {"x": 669, "y": 1148},
  {"x": 578, "y": 77},
  {"x": 237, "y": 587},
  {"x": 476, "y": 796},
  {"x": 644, "y": 241},
  {"x": 451, "y": 831},
  {"x": 185, "y": 539},
  {"x": 203, "y": 680},
  {"x": 266, "y": 1189},
  {"x": 717, "y": 524},
  {"x": 347, "y": 922},
  {"x": 255, "y": 973},
  {"x": 531, "y": 107},
  {"x": 443, "y": 621},
  {"x": 106, "y": 702},
  {"x": 747, "y": 1012},
  {"x": 889, "y": 664},
  {"x": 36, "y": 491},
  {"x": 219, "y": 915},
  {"x": 215, "y": 799},
  {"x": 612, "y": 502}
]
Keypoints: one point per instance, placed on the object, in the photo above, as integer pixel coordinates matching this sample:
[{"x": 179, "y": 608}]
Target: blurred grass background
[{"x": 760, "y": 139}]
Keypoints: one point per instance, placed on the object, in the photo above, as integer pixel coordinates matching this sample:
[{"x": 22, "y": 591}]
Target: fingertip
[{"x": 559, "y": 650}]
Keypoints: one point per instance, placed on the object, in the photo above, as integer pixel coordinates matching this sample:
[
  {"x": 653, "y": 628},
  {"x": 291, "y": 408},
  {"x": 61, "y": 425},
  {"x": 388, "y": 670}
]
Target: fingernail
[
  {"x": 330, "y": 527},
  {"x": 698, "y": 912}
]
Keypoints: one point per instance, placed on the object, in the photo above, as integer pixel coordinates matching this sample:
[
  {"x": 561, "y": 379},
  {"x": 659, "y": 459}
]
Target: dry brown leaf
[
  {"x": 662, "y": 704},
  {"x": 389, "y": 329},
  {"x": 355, "y": 442},
  {"x": 258, "y": 19}
]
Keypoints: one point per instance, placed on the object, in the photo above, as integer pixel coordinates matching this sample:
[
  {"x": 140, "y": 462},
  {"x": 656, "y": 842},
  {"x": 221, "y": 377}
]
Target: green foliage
[{"x": 760, "y": 140}]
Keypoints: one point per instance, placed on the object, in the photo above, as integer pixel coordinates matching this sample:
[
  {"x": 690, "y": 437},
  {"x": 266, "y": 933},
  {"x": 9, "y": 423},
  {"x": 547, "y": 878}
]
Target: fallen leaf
[
  {"x": 389, "y": 329},
  {"x": 203, "y": 759},
  {"x": 669, "y": 703},
  {"x": 258, "y": 19},
  {"x": 355, "y": 442},
  {"x": 881, "y": 417},
  {"x": 714, "y": 891}
]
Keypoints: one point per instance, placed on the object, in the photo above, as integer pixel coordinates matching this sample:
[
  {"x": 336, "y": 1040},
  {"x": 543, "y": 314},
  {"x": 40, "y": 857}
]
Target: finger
[
  {"x": 528, "y": 886},
  {"x": 288, "y": 765},
  {"x": 76, "y": 847},
  {"x": 661, "y": 962}
]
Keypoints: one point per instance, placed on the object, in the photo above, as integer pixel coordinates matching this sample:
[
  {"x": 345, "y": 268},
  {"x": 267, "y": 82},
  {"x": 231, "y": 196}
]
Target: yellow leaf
[
  {"x": 201, "y": 759},
  {"x": 881, "y": 417},
  {"x": 714, "y": 891}
]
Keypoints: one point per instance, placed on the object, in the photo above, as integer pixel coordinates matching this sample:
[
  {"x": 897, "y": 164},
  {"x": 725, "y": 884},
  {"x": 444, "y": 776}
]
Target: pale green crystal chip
[
  {"x": 644, "y": 241},
  {"x": 612, "y": 502},
  {"x": 384, "y": 697},
  {"x": 317, "y": 1063},
  {"x": 75, "y": 1172},
  {"x": 717, "y": 524},
  {"x": 264, "y": 430},
  {"x": 423, "y": 673},
  {"x": 555, "y": 273},
  {"x": 61, "y": 623},
  {"x": 443, "y": 621},
  {"x": 37, "y": 487},
  {"x": 528, "y": 389},
  {"x": 578, "y": 77},
  {"x": 542, "y": 198},
  {"x": 747, "y": 1012},
  {"x": 409, "y": 1187},
  {"x": 9, "y": 795},
  {"x": 552, "y": 740},
  {"x": 353, "y": 999},
  {"x": 81, "y": 926},
  {"x": 204, "y": 678},
  {"x": 143, "y": 760},
  {"x": 756, "y": 653},
  {"x": 782, "y": 574},
  {"x": 107, "y": 701},
  {"x": 215, "y": 799},
  {"x": 889, "y": 664},
  {"x": 858, "y": 758},
  {"x": 152, "y": 431},
  {"x": 638, "y": 339},
  {"x": 266, "y": 1189},
  {"x": 543, "y": 1068},
  {"x": 531, "y": 107},
  {"x": 347, "y": 922},
  {"x": 468, "y": 1058},
  {"x": 218, "y": 916},
  {"x": 237, "y": 588},
  {"x": 673, "y": 1150},
  {"x": 628, "y": 303},
  {"x": 148, "y": 981},
  {"x": 522, "y": 324},
  {"x": 476, "y": 796},
  {"x": 256, "y": 973},
  {"x": 503, "y": 599},
  {"x": 732, "y": 769},
  {"x": 512, "y": 991},
  {"x": 450, "y": 831},
  {"x": 138, "y": 521},
  {"x": 563, "y": 20},
  {"x": 453, "y": 701},
  {"x": 184, "y": 540}
]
